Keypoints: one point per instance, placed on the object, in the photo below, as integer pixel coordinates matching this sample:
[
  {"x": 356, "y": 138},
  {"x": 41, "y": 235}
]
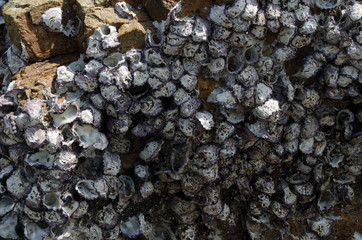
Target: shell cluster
[{"x": 282, "y": 137}]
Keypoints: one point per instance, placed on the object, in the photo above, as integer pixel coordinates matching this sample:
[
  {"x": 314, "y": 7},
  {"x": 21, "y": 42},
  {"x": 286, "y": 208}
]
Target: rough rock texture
[
  {"x": 22, "y": 18},
  {"x": 158, "y": 9},
  {"x": 40, "y": 75},
  {"x": 94, "y": 16}
]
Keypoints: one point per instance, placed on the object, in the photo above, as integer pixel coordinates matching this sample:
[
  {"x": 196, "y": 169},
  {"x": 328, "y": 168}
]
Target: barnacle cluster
[{"x": 282, "y": 136}]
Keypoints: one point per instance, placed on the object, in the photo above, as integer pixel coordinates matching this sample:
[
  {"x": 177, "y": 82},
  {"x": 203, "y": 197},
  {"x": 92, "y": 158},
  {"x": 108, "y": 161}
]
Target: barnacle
[{"x": 275, "y": 136}]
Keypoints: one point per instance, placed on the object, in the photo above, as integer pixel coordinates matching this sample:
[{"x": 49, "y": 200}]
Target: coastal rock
[{"x": 23, "y": 21}]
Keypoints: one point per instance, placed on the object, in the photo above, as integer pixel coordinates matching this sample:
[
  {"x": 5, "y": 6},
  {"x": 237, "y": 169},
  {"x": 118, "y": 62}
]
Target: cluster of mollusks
[{"x": 279, "y": 139}]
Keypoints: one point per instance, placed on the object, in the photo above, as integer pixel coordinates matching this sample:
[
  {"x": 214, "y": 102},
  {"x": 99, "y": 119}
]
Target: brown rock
[
  {"x": 22, "y": 19},
  {"x": 40, "y": 75},
  {"x": 131, "y": 32},
  {"x": 205, "y": 86},
  {"x": 158, "y": 9}
]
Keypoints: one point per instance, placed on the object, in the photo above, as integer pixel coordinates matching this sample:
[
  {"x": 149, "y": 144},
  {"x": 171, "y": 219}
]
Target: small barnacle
[
  {"x": 6, "y": 205},
  {"x": 327, "y": 4},
  {"x": 206, "y": 155},
  {"x": 65, "y": 76},
  {"x": 223, "y": 97},
  {"x": 302, "y": 12},
  {"x": 265, "y": 184},
  {"x": 268, "y": 109},
  {"x": 89, "y": 136},
  {"x": 140, "y": 78},
  {"x": 186, "y": 126},
  {"x": 218, "y": 48},
  {"x": 8, "y": 226},
  {"x": 279, "y": 210},
  {"x": 241, "y": 40},
  {"x": 288, "y": 19},
  {"x": 300, "y": 41},
  {"x": 66, "y": 160},
  {"x": 310, "y": 126},
  {"x": 151, "y": 106},
  {"x": 111, "y": 163},
  {"x": 286, "y": 34},
  {"x": 189, "y": 107},
  {"x": 142, "y": 171},
  {"x": 34, "y": 112},
  {"x": 217, "y": 15},
  {"x": 17, "y": 185},
  {"x": 181, "y": 96},
  {"x": 34, "y": 199},
  {"x": 309, "y": 26},
  {"x": 310, "y": 68},
  {"x": 52, "y": 18},
  {"x": 151, "y": 150},
  {"x": 306, "y": 189},
  {"x": 177, "y": 69},
  {"x": 273, "y": 11},
  {"x": 322, "y": 226},
  {"x": 355, "y": 11},
  {"x": 248, "y": 76},
  {"x": 354, "y": 51},
  {"x": 183, "y": 28},
  {"x": 32, "y": 230},
  {"x": 192, "y": 183},
  {"x": 205, "y": 118},
  {"x": 201, "y": 30},
  {"x": 259, "y": 32},
  {"x": 235, "y": 9},
  {"x": 68, "y": 116},
  {"x": 124, "y": 10},
  {"x": 251, "y": 10},
  {"x": 189, "y": 49},
  {"x": 175, "y": 40},
  {"x": 161, "y": 73},
  {"x": 87, "y": 189},
  {"x": 220, "y": 33},
  {"x": 224, "y": 131},
  {"x": 188, "y": 82},
  {"x": 86, "y": 83},
  {"x": 216, "y": 65},
  {"x": 34, "y": 137},
  {"x": 131, "y": 227},
  {"x": 152, "y": 56}
]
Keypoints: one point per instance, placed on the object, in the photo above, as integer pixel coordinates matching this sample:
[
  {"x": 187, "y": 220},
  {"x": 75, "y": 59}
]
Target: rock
[
  {"x": 158, "y": 9},
  {"x": 40, "y": 75},
  {"x": 131, "y": 32},
  {"x": 22, "y": 19},
  {"x": 128, "y": 34}
]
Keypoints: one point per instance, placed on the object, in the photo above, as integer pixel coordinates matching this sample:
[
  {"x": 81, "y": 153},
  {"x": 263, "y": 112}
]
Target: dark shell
[{"x": 206, "y": 155}]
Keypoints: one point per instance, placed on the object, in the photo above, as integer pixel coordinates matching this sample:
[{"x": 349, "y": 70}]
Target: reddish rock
[
  {"x": 22, "y": 19},
  {"x": 40, "y": 75},
  {"x": 131, "y": 32},
  {"x": 158, "y": 9}
]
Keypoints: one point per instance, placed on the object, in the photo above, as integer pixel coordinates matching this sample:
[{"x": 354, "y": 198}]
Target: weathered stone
[
  {"x": 22, "y": 19},
  {"x": 40, "y": 75},
  {"x": 158, "y": 9},
  {"x": 95, "y": 16},
  {"x": 129, "y": 34}
]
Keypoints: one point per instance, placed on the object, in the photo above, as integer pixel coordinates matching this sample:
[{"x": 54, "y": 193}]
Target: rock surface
[
  {"x": 40, "y": 75},
  {"x": 22, "y": 19}
]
